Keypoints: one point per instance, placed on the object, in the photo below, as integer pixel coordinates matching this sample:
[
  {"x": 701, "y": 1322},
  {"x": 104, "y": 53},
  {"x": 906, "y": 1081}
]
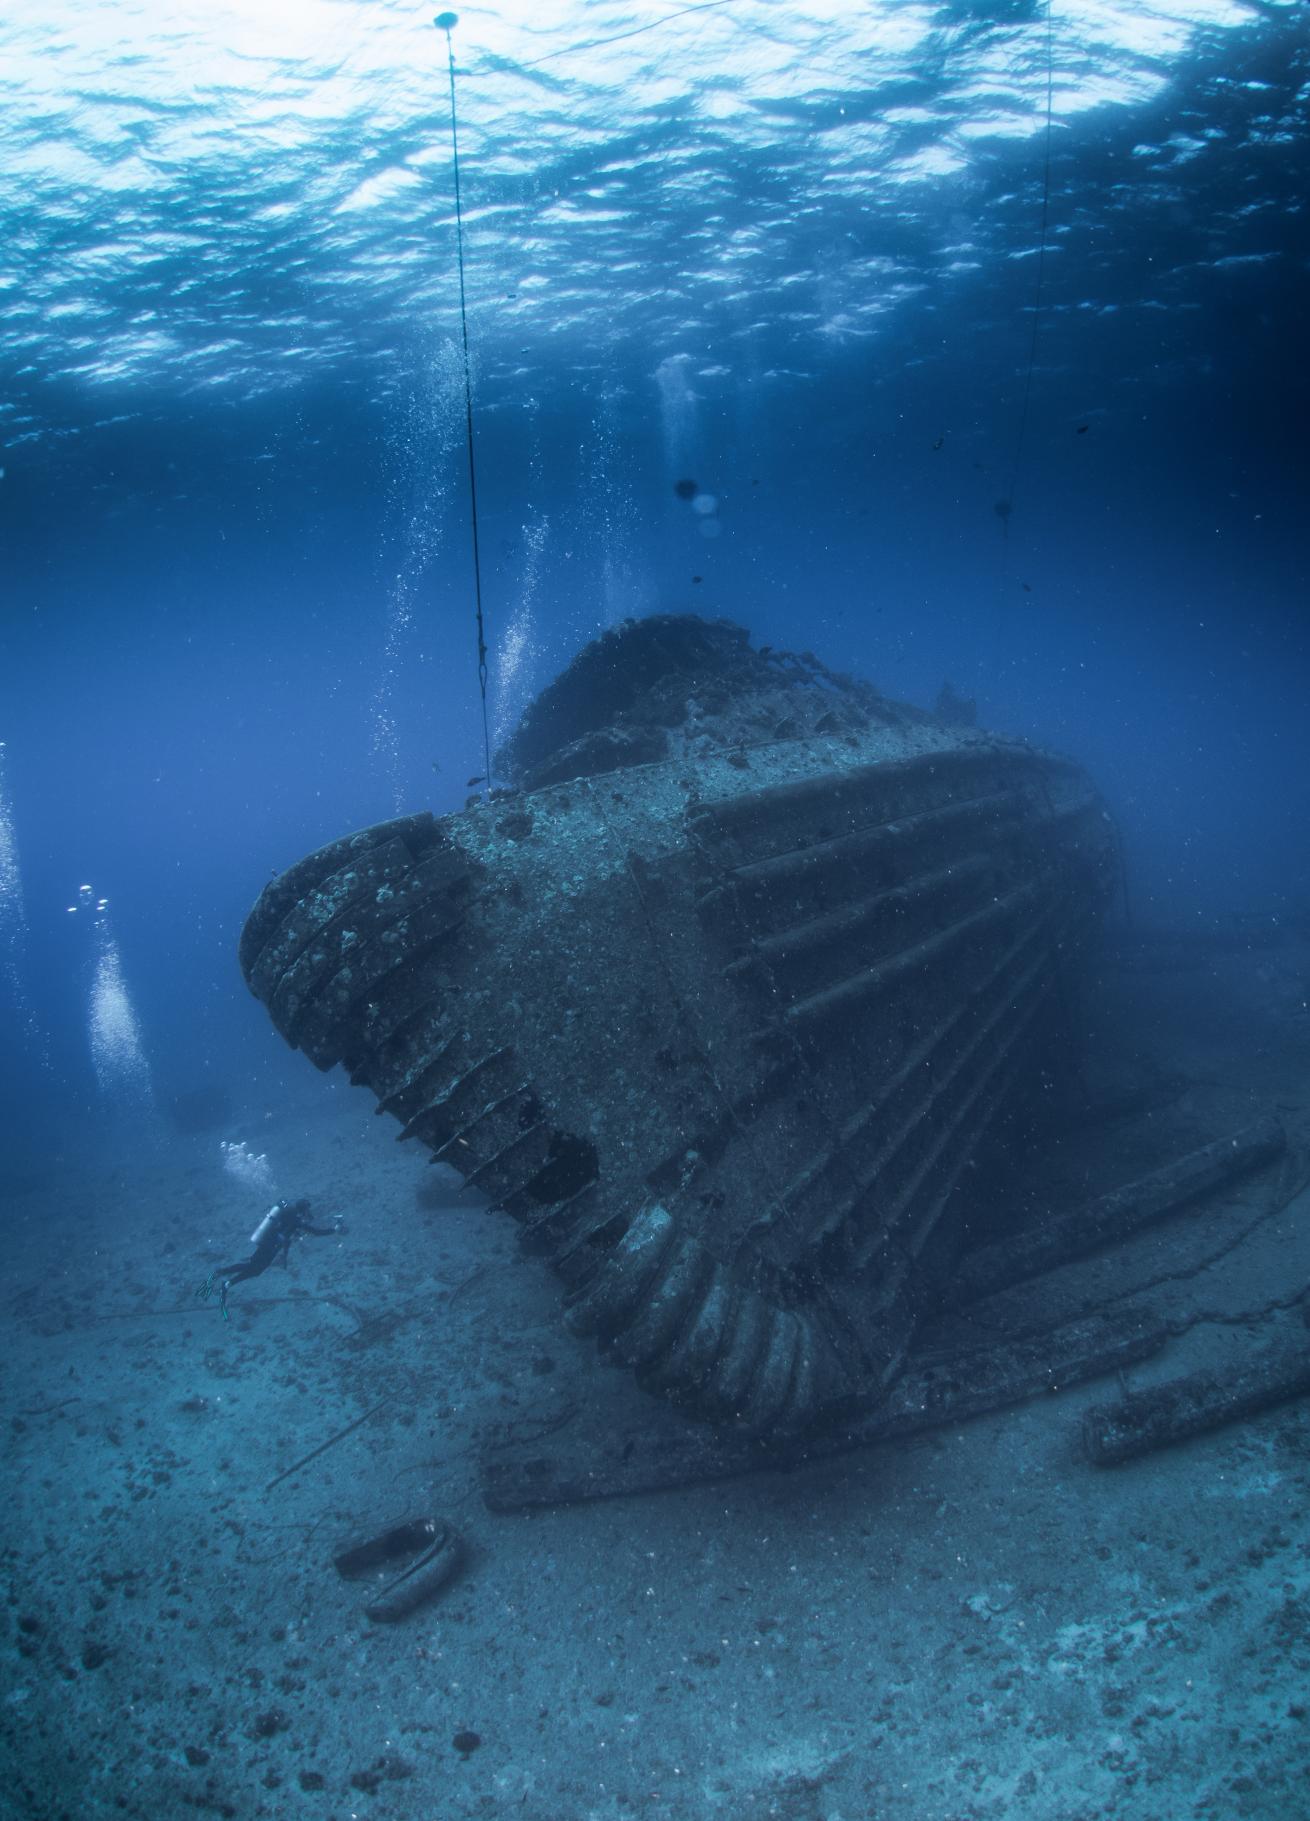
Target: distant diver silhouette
[{"x": 285, "y": 1221}]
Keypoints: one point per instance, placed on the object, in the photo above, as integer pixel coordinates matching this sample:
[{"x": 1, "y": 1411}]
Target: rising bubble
[
  {"x": 114, "y": 1030},
  {"x": 13, "y": 928},
  {"x": 518, "y": 651},
  {"x": 421, "y": 471}
]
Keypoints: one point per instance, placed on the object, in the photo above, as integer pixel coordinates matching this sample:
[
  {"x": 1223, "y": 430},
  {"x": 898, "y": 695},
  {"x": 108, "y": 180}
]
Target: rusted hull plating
[{"x": 721, "y": 1035}]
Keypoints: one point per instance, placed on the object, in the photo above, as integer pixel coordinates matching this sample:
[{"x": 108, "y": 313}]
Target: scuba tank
[{"x": 266, "y": 1222}]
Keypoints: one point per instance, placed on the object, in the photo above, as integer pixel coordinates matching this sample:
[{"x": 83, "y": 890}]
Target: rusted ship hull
[{"x": 722, "y": 1030}]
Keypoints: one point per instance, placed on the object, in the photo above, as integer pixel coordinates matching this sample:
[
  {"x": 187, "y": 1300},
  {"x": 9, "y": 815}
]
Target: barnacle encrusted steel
[{"x": 718, "y": 1003}]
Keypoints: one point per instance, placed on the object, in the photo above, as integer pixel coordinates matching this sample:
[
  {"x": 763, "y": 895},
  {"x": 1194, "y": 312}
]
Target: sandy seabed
[{"x": 969, "y": 1625}]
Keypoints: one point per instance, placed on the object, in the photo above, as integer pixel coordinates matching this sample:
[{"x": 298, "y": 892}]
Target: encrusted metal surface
[{"x": 722, "y": 1021}]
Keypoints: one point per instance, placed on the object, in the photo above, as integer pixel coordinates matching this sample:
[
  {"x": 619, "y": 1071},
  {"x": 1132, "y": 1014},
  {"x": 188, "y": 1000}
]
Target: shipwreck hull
[{"x": 721, "y": 1029}]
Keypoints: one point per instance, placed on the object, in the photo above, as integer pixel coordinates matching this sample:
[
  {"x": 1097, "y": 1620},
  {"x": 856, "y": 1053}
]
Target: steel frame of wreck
[{"x": 847, "y": 945}]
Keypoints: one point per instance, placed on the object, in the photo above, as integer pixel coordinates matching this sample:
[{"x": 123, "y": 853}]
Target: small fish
[
  {"x": 435, "y": 766},
  {"x": 1082, "y": 429},
  {"x": 473, "y": 781},
  {"x": 698, "y": 578},
  {"x": 686, "y": 490},
  {"x": 1026, "y": 587},
  {"x": 939, "y": 442}
]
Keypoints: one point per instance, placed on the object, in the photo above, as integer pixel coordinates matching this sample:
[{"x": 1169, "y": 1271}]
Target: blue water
[
  {"x": 981, "y": 331},
  {"x": 839, "y": 265}
]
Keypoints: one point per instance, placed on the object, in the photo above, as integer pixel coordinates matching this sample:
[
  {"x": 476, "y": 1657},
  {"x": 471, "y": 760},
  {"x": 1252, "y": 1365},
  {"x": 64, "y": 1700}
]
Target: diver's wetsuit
[{"x": 285, "y": 1222}]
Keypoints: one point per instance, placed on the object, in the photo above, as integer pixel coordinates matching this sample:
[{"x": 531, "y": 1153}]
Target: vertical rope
[
  {"x": 444, "y": 22},
  {"x": 1008, "y": 501}
]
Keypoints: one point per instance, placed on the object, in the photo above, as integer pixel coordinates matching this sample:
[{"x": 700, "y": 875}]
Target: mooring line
[{"x": 446, "y": 22}]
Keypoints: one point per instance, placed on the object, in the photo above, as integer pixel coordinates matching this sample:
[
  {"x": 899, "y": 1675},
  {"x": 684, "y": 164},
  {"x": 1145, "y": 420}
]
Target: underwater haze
[
  {"x": 839, "y": 266},
  {"x": 955, "y": 344}
]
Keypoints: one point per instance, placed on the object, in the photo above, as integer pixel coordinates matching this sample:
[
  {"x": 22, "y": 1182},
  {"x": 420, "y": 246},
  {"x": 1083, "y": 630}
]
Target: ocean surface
[{"x": 956, "y": 344}]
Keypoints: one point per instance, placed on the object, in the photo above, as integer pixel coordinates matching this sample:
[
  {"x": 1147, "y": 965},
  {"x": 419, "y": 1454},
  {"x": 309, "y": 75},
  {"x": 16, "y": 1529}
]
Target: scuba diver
[{"x": 285, "y": 1221}]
